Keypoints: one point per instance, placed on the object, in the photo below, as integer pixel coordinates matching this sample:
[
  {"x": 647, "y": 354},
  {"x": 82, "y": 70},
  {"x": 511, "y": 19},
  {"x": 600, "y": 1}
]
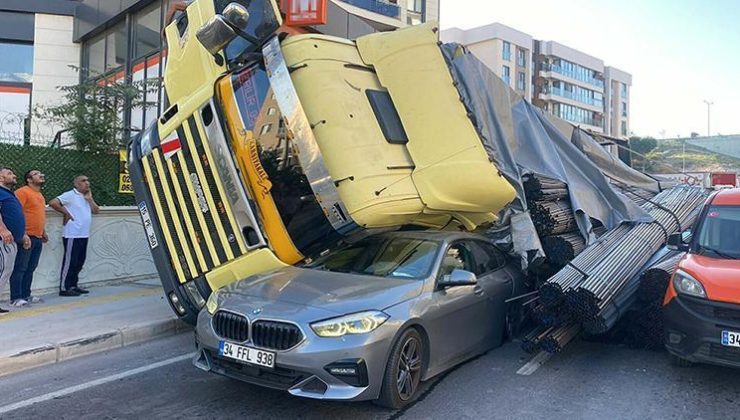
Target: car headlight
[
  {"x": 684, "y": 283},
  {"x": 212, "y": 303},
  {"x": 358, "y": 323}
]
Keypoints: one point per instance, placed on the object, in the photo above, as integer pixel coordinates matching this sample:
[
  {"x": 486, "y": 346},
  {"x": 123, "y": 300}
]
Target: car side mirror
[
  {"x": 459, "y": 278},
  {"x": 676, "y": 243},
  {"x": 216, "y": 34}
]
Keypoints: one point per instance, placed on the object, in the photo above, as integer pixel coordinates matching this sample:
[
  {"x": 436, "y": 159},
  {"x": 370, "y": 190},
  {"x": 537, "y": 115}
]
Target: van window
[{"x": 719, "y": 234}]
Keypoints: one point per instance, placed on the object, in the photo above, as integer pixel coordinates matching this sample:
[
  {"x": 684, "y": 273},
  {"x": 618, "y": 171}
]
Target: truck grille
[
  {"x": 199, "y": 230},
  {"x": 718, "y": 351},
  {"x": 726, "y": 312},
  {"x": 231, "y": 326},
  {"x": 275, "y": 335}
]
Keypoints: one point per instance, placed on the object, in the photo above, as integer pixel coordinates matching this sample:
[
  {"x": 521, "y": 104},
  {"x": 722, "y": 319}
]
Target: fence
[{"x": 60, "y": 167}]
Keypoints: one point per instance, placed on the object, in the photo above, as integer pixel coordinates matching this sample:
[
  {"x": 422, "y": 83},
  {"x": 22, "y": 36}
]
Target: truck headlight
[
  {"x": 359, "y": 323},
  {"x": 684, "y": 283},
  {"x": 212, "y": 303}
]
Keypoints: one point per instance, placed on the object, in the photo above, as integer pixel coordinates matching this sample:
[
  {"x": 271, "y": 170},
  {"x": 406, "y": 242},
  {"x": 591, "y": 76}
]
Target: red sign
[{"x": 304, "y": 12}]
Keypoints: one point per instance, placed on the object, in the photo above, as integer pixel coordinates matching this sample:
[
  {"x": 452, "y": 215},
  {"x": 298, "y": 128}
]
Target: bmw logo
[{"x": 257, "y": 311}]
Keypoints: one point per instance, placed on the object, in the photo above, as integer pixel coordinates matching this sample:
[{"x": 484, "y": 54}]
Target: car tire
[
  {"x": 680, "y": 361},
  {"x": 402, "y": 377}
]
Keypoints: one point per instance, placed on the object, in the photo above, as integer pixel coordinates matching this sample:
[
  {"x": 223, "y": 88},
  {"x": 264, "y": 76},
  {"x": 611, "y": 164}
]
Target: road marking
[
  {"x": 91, "y": 384},
  {"x": 50, "y": 309},
  {"x": 534, "y": 363}
]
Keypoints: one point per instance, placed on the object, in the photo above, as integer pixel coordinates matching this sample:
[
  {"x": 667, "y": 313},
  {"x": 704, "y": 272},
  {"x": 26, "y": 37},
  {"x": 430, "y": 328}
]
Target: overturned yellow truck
[{"x": 272, "y": 148}]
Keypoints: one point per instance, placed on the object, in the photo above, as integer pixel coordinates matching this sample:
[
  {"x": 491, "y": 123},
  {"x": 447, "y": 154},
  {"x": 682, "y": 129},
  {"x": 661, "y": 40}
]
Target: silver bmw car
[{"x": 369, "y": 321}]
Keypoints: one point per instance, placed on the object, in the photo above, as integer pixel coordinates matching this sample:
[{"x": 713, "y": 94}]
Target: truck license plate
[
  {"x": 731, "y": 339},
  {"x": 246, "y": 354}
]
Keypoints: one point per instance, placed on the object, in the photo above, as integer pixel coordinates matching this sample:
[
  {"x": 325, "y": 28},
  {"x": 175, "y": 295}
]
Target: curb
[{"x": 58, "y": 352}]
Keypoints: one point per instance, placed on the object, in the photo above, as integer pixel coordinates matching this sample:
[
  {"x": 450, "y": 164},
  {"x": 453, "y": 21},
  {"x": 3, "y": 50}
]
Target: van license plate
[
  {"x": 731, "y": 339},
  {"x": 247, "y": 354}
]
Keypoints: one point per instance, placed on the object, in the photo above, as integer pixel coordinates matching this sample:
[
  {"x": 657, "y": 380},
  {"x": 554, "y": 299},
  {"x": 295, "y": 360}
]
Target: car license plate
[
  {"x": 731, "y": 339},
  {"x": 247, "y": 354}
]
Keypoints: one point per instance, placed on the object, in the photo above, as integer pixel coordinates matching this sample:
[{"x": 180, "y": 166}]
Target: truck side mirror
[
  {"x": 676, "y": 243},
  {"x": 216, "y": 34}
]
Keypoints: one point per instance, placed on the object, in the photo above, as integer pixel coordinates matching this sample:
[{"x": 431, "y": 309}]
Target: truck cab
[
  {"x": 702, "y": 303},
  {"x": 272, "y": 149}
]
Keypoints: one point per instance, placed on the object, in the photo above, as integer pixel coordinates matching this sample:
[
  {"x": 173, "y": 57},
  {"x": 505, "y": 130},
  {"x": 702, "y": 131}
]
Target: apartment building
[
  {"x": 568, "y": 83},
  {"x": 617, "y": 109},
  {"x": 504, "y": 50}
]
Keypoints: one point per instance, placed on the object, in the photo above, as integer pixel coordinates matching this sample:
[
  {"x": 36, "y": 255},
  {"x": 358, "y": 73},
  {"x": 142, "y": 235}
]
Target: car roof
[
  {"x": 435, "y": 235},
  {"x": 728, "y": 197}
]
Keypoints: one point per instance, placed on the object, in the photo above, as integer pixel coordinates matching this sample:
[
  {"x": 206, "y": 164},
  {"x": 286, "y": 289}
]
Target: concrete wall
[
  {"x": 117, "y": 251},
  {"x": 53, "y": 53}
]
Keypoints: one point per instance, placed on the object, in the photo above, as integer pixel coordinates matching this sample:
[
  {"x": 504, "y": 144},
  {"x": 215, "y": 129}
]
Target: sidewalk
[{"x": 62, "y": 328}]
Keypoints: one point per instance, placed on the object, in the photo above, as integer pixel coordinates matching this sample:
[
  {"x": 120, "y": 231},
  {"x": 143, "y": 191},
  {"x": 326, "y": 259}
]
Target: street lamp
[{"x": 709, "y": 104}]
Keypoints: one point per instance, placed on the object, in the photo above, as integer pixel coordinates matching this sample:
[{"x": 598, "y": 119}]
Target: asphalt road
[{"x": 589, "y": 380}]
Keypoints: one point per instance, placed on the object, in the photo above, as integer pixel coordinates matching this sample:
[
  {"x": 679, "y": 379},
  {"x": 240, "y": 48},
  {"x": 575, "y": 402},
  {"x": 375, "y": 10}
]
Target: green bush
[{"x": 61, "y": 166}]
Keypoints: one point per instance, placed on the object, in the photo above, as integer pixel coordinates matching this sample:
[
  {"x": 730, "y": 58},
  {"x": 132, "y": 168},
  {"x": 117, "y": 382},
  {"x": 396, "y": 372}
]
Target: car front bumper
[
  {"x": 302, "y": 370},
  {"x": 693, "y": 330}
]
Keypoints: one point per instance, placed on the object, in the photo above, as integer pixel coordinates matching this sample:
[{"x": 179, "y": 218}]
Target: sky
[{"x": 679, "y": 52}]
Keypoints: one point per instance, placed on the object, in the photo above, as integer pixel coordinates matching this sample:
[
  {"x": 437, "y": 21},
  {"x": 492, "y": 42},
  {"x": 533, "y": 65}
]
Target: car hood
[
  {"x": 314, "y": 293},
  {"x": 719, "y": 276}
]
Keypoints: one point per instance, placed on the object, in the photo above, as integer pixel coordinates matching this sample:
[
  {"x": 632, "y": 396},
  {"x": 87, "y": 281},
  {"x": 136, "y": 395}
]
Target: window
[
  {"x": 17, "y": 62},
  {"x": 624, "y": 90},
  {"x": 487, "y": 258},
  {"x": 624, "y": 128},
  {"x": 719, "y": 233},
  {"x": 93, "y": 61},
  {"x": 457, "y": 257},
  {"x": 520, "y": 81},
  {"x": 521, "y": 59},
  {"x": 271, "y": 111},
  {"x": 505, "y": 74},
  {"x": 265, "y": 129},
  {"x": 387, "y": 116},
  {"x": 415, "y": 6},
  {"x": 146, "y": 30},
  {"x": 624, "y": 109},
  {"x": 506, "y": 52},
  {"x": 116, "y": 47}
]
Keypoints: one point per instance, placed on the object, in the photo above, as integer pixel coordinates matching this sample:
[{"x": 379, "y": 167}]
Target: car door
[
  {"x": 498, "y": 285},
  {"x": 459, "y": 311}
]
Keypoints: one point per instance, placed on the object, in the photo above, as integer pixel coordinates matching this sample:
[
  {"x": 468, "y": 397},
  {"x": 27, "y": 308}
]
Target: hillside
[{"x": 668, "y": 157}]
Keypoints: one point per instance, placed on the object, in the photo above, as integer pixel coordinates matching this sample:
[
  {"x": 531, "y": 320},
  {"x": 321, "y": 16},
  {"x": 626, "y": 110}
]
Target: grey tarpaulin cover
[{"x": 521, "y": 139}]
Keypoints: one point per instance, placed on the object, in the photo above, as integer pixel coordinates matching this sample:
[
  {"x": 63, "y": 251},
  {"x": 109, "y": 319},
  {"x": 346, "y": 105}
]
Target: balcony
[
  {"x": 599, "y": 103},
  {"x": 377, "y": 6},
  {"x": 573, "y": 75}
]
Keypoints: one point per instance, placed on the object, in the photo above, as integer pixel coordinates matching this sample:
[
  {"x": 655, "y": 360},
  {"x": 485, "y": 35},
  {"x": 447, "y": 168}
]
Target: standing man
[
  {"x": 34, "y": 210},
  {"x": 77, "y": 207},
  {"x": 12, "y": 226}
]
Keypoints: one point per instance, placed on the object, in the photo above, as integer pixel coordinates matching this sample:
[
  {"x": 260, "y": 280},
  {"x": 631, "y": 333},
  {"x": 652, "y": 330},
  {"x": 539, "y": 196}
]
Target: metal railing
[
  {"x": 573, "y": 96},
  {"x": 573, "y": 74}
]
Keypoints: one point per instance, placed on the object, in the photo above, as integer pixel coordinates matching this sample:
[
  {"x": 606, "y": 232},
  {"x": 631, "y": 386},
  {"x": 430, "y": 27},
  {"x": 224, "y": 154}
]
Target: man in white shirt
[{"x": 77, "y": 207}]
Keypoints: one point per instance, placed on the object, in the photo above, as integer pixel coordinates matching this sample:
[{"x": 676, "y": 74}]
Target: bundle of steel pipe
[
  {"x": 552, "y": 217},
  {"x": 561, "y": 249},
  {"x": 654, "y": 281},
  {"x": 589, "y": 286},
  {"x": 538, "y": 188}
]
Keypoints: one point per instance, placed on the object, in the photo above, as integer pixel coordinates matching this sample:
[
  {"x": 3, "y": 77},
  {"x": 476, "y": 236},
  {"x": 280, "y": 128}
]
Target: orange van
[{"x": 702, "y": 304}]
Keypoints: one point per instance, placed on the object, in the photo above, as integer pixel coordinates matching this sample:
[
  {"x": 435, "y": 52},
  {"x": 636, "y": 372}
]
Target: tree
[
  {"x": 643, "y": 145},
  {"x": 92, "y": 111}
]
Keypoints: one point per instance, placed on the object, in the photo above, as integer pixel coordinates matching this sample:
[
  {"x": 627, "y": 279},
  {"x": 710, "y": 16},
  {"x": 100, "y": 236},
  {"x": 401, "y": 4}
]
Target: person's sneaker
[
  {"x": 81, "y": 291},
  {"x": 19, "y": 303},
  {"x": 70, "y": 292},
  {"x": 3, "y": 311},
  {"x": 34, "y": 299}
]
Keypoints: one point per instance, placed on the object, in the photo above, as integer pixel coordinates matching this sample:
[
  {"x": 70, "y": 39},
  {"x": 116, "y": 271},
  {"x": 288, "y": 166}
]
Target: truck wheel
[
  {"x": 403, "y": 371},
  {"x": 680, "y": 362}
]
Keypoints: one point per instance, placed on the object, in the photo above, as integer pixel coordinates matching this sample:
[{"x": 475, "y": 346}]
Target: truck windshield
[
  {"x": 383, "y": 257},
  {"x": 720, "y": 232},
  {"x": 301, "y": 214}
]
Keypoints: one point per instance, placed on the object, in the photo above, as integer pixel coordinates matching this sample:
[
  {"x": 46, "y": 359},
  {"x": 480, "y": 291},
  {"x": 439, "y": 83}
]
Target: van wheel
[
  {"x": 403, "y": 371},
  {"x": 680, "y": 361}
]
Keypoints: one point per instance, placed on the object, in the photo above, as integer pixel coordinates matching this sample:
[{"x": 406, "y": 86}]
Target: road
[{"x": 589, "y": 380}]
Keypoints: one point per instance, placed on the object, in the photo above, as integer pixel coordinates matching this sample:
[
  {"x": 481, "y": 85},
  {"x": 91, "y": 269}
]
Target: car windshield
[
  {"x": 720, "y": 232},
  {"x": 382, "y": 256}
]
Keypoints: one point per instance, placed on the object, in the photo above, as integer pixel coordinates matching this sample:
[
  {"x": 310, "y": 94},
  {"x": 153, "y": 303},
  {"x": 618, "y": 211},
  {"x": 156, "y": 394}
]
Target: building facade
[
  {"x": 504, "y": 50},
  {"x": 37, "y": 50},
  {"x": 120, "y": 40},
  {"x": 568, "y": 83}
]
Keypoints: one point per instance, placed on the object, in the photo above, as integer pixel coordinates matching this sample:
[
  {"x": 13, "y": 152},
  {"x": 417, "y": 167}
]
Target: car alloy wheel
[{"x": 409, "y": 368}]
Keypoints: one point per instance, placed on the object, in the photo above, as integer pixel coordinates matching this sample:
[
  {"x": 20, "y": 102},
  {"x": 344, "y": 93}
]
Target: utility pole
[{"x": 709, "y": 105}]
